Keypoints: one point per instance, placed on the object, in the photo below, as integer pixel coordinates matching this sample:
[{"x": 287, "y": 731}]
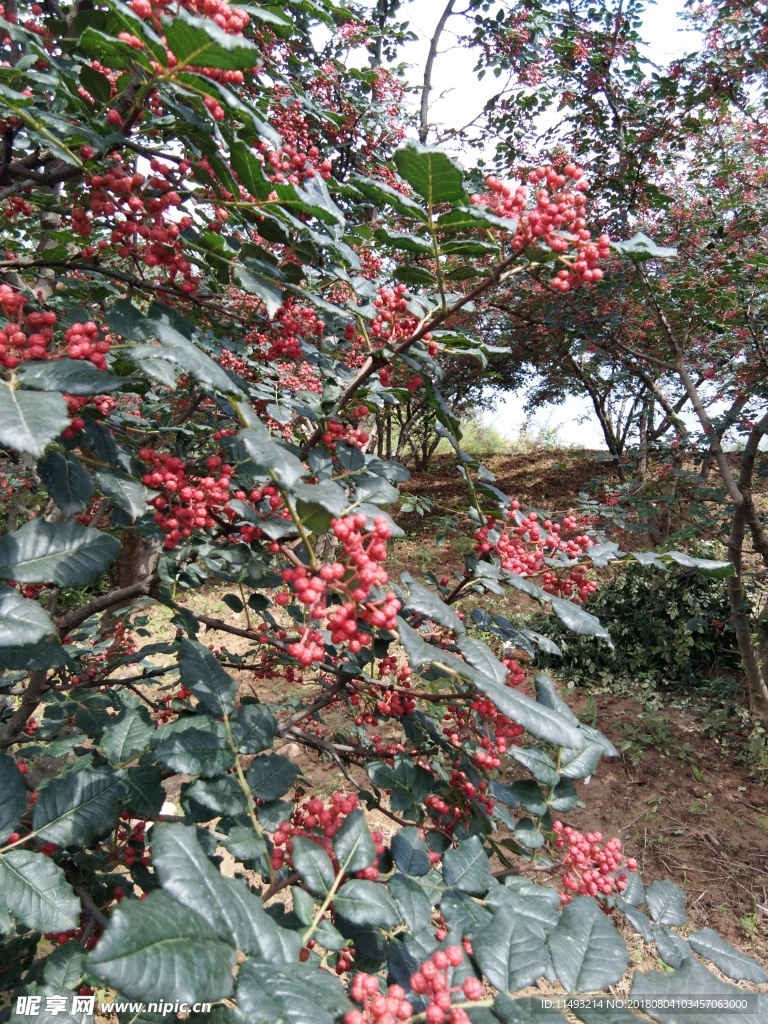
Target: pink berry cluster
[
  {"x": 449, "y": 815},
  {"x": 143, "y": 223},
  {"x": 559, "y": 211},
  {"x": 352, "y": 577},
  {"x": 83, "y": 342},
  {"x": 593, "y": 867},
  {"x": 523, "y": 544},
  {"x": 298, "y": 157},
  {"x": 292, "y": 324},
  {"x": 393, "y": 322},
  {"x": 432, "y": 981},
  {"x": 25, "y": 336},
  {"x": 319, "y": 821},
  {"x": 185, "y": 502}
]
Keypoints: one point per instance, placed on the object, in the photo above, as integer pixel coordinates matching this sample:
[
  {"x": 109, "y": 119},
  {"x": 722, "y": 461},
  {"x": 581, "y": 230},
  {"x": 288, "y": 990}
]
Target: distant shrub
[{"x": 668, "y": 627}]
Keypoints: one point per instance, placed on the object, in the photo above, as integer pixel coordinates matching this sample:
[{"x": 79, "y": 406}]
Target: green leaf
[
  {"x": 262, "y": 287},
  {"x": 158, "y": 950},
  {"x": 77, "y": 808},
  {"x": 200, "y": 42},
  {"x": 21, "y": 621},
  {"x": 404, "y": 242},
  {"x": 666, "y": 903},
  {"x": 692, "y": 981},
  {"x": 540, "y": 765},
  {"x": 29, "y": 421},
  {"x": 127, "y": 492},
  {"x": 580, "y": 764},
  {"x": 360, "y": 902},
  {"x": 642, "y": 247},
  {"x": 539, "y": 721},
  {"x": 66, "y": 966},
  {"x": 293, "y": 994},
  {"x": 509, "y": 953},
  {"x": 525, "y": 1011},
  {"x": 234, "y": 913},
  {"x": 250, "y": 171},
  {"x": 587, "y": 951},
  {"x": 195, "y": 746},
  {"x": 127, "y": 736},
  {"x": 253, "y": 728},
  {"x": 431, "y": 173},
  {"x": 175, "y": 348},
  {"x": 74, "y": 376},
  {"x": 731, "y": 961},
  {"x": 67, "y": 481},
  {"x": 202, "y": 675},
  {"x": 411, "y": 852},
  {"x": 353, "y": 845},
  {"x": 144, "y": 794},
  {"x": 13, "y": 796},
  {"x": 538, "y": 905},
  {"x": 412, "y": 903},
  {"x": 281, "y": 464},
  {"x": 706, "y": 566},
  {"x": 466, "y": 867},
  {"x": 67, "y": 554},
  {"x": 313, "y": 865},
  {"x": 463, "y": 915},
  {"x": 34, "y": 890},
  {"x": 424, "y": 602},
  {"x": 579, "y": 621},
  {"x": 408, "y": 783},
  {"x": 205, "y": 799},
  {"x": 271, "y": 775}
]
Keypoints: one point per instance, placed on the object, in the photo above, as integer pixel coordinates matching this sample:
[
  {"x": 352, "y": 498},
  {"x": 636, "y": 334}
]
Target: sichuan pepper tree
[{"x": 198, "y": 328}]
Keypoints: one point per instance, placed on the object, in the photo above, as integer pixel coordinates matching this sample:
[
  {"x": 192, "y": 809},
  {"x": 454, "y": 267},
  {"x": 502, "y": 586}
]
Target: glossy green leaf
[
  {"x": 731, "y": 961},
  {"x": 126, "y": 491},
  {"x": 427, "y": 604},
  {"x": 411, "y": 852},
  {"x": 431, "y": 173},
  {"x": 587, "y": 951},
  {"x": 509, "y": 953},
  {"x": 360, "y": 902},
  {"x": 76, "y": 808},
  {"x": 29, "y": 421},
  {"x": 158, "y": 950},
  {"x": 353, "y": 845},
  {"x": 666, "y": 903},
  {"x": 693, "y": 981},
  {"x": 294, "y": 994},
  {"x": 127, "y": 736},
  {"x": 74, "y": 376},
  {"x": 22, "y": 621},
  {"x": 67, "y": 554},
  {"x": 195, "y": 746},
  {"x": 67, "y": 481},
  {"x": 313, "y": 865},
  {"x": 199, "y": 42},
  {"x": 253, "y": 728},
  {"x": 34, "y": 890},
  {"x": 13, "y": 796},
  {"x": 202, "y": 675},
  {"x": 466, "y": 867},
  {"x": 271, "y": 775}
]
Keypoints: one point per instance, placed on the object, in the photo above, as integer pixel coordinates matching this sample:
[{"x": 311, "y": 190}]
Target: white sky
[{"x": 457, "y": 97}]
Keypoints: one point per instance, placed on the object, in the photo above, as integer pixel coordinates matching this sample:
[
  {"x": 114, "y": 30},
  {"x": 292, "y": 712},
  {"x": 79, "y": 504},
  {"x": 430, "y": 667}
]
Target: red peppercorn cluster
[
  {"x": 185, "y": 502},
  {"x": 449, "y": 815},
  {"x": 320, "y": 822},
  {"x": 524, "y": 545},
  {"x": 141, "y": 211},
  {"x": 559, "y": 210},
  {"x": 25, "y": 336},
  {"x": 432, "y": 981},
  {"x": 352, "y": 577},
  {"x": 393, "y": 322},
  {"x": 83, "y": 343},
  {"x": 298, "y": 157},
  {"x": 593, "y": 868},
  {"x": 336, "y": 431}
]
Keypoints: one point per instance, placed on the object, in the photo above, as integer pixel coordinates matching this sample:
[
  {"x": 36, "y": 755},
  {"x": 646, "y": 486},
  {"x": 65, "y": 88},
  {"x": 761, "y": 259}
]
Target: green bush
[{"x": 668, "y": 627}]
